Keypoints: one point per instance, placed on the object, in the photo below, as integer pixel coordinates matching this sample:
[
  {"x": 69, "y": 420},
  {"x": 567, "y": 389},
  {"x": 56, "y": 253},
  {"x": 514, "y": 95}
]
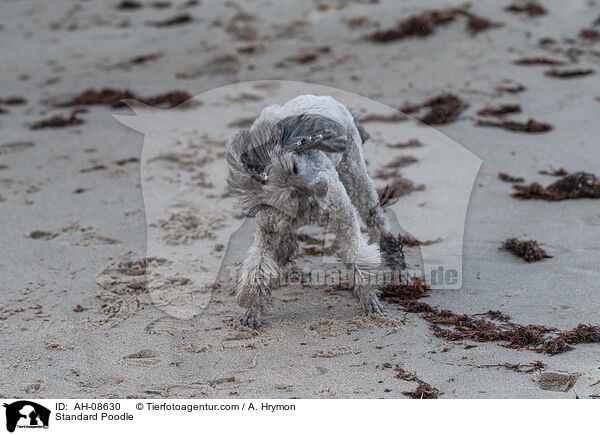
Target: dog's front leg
[
  {"x": 259, "y": 275},
  {"x": 358, "y": 255}
]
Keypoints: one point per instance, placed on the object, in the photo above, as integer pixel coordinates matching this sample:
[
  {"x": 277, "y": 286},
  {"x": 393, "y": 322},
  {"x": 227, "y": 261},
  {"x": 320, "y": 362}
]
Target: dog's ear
[
  {"x": 327, "y": 141},
  {"x": 309, "y": 131},
  {"x": 250, "y": 152}
]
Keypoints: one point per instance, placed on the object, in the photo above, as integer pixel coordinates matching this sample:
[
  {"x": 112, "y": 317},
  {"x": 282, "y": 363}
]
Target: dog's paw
[
  {"x": 251, "y": 320},
  {"x": 371, "y": 305}
]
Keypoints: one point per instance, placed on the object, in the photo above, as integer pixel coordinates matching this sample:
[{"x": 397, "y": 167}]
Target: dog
[{"x": 302, "y": 163}]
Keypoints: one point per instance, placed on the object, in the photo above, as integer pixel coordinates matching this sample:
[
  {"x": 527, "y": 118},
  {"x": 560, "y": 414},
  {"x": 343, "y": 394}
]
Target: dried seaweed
[
  {"x": 93, "y": 168},
  {"x": 128, "y": 5},
  {"x": 529, "y": 250},
  {"x": 533, "y": 9},
  {"x": 161, "y": 4},
  {"x": 123, "y": 162},
  {"x": 113, "y": 98},
  {"x": 476, "y": 23},
  {"x": 572, "y": 186},
  {"x": 13, "y": 101},
  {"x": 492, "y": 326},
  {"x": 420, "y": 25},
  {"x": 555, "y": 172},
  {"x": 189, "y": 4},
  {"x": 531, "y": 126},
  {"x": 386, "y": 175},
  {"x": 589, "y": 34},
  {"x": 510, "y": 89},
  {"x": 443, "y": 109},
  {"x": 423, "y": 390},
  {"x": 177, "y": 20},
  {"x": 425, "y": 24},
  {"x": 402, "y": 161},
  {"x": 405, "y": 291},
  {"x": 58, "y": 121},
  {"x": 411, "y": 143},
  {"x": 500, "y": 111},
  {"x": 136, "y": 60},
  {"x": 529, "y": 61},
  {"x": 568, "y": 73},
  {"x": 509, "y": 178},
  {"x": 520, "y": 368}
]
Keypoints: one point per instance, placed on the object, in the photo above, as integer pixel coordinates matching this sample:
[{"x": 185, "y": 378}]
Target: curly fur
[{"x": 302, "y": 163}]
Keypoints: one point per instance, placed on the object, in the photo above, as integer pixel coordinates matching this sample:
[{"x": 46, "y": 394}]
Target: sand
[{"x": 78, "y": 316}]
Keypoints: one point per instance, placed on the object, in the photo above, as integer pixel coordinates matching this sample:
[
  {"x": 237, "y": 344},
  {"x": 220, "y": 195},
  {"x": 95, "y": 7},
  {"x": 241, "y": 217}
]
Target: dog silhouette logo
[{"x": 26, "y": 414}]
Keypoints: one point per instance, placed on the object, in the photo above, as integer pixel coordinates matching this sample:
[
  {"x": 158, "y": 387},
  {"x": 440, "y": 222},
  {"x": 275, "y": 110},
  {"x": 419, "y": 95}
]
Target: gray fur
[{"x": 301, "y": 163}]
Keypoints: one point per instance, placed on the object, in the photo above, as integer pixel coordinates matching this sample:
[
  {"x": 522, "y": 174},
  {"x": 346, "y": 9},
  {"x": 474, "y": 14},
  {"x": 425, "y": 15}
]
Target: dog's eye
[{"x": 294, "y": 168}]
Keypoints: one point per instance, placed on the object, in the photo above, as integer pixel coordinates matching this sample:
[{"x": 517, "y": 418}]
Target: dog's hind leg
[{"x": 353, "y": 173}]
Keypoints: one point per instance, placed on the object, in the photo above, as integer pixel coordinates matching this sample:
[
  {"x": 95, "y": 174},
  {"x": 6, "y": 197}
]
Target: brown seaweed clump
[
  {"x": 423, "y": 390},
  {"x": 533, "y": 9},
  {"x": 128, "y": 5},
  {"x": 590, "y": 34},
  {"x": 529, "y": 61},
  {"x": 531, "y": 126},
  {"x": 568, "y": 73},
  {"x": 443, "y": 109},
  {"x": 529, "y": 250},
  {"x": 420, "y": 25},
  {"x": 572, "y": 186},
  {"x": 58, "y": 121},
  {"x": 177, "y": 20},
  {"x": 425, "y": 23},
  {"x": 411, "y": 143},
  {"x": 114, "y": 98},
  {"x": 515, "y": 88},
  {"x": 476, "y": 23},
  {"x": 500, "y": 111},
  {"x": 510, "y": 178},
  {"x": 402, "y": 291},
  {"x": 492, "y": 326},
  {"x": 402, "y": 161},
  {"x": 13, "y": 101},
  {"x": 555, "y": 172}
]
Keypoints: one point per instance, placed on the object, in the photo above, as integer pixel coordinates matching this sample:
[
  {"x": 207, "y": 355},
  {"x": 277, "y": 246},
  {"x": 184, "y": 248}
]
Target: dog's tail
[{"x": 387, "y": 196}]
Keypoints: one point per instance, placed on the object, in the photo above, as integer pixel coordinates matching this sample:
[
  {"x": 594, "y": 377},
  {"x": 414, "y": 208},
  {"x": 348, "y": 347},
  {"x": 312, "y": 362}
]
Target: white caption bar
[{"x": 158, "y": 416}]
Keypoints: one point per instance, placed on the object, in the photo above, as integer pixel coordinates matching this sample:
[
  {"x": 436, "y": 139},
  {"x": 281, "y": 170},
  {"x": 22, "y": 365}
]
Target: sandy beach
[{"x": 87, "y": 208}]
